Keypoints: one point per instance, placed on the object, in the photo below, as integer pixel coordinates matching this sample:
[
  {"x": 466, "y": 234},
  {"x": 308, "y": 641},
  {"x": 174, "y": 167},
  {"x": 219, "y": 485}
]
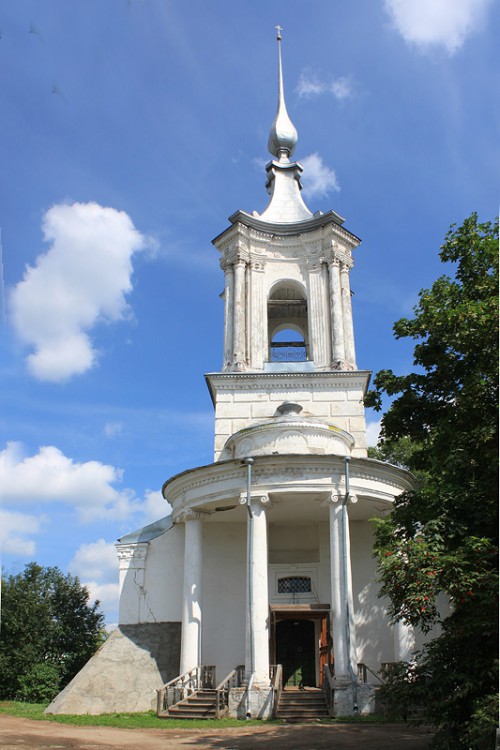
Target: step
[
  {"x": 302, "y": 705},
  {"x": 199, "y": 705}
]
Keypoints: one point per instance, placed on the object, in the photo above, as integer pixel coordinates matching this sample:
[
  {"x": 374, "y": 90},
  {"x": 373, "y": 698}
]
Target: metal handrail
[
  {"x": 185, "y": 684},
  {"x": 363, "y": 669}
]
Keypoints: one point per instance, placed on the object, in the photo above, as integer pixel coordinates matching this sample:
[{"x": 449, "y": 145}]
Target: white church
[{"x": 257, "y": 595}]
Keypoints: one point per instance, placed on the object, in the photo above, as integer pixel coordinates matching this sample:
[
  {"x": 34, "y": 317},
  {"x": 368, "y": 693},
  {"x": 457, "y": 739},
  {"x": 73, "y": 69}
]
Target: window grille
[{"x": 294, "y": 585}]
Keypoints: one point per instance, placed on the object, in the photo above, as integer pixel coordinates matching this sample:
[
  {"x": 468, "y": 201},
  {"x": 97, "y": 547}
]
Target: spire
[
  {"x": 283, "y": 176},
  {"x": 283, "y": 136}
]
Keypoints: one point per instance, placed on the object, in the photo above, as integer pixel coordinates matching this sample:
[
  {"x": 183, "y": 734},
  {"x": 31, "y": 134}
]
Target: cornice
[
  {"x": 294, "y": 470},
  {"x": 241, "y": 221},
  {"x": 288, "y": 381}
]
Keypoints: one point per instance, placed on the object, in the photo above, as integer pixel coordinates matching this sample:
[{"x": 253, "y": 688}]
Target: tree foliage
[
  {"x": 443, "y": 537},
  {"x": 48, "y": 632}
]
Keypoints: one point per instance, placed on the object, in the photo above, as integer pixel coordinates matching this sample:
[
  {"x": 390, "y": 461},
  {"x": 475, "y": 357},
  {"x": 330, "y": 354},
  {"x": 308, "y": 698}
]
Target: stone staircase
[
  {"x": 199, "y": 705},
  {"x": 296, "y": 705}
]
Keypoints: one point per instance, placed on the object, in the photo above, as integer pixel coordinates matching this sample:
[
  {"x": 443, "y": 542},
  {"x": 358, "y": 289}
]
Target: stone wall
[{"x": 125, "y": 673}]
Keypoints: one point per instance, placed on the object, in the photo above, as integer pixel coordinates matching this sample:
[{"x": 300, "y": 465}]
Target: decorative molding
[
  {"x": 132, "y": 553},
  {"x": 263, "y": 499},
  {"x": 299, "y": 474},
  {"x": 188, "y": 514}
]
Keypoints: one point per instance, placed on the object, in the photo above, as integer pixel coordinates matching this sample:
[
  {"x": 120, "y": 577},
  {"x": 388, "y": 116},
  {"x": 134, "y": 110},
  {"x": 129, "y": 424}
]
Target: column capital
[
  {"x": 226, "y": 264},
  {"x": 188, "y": 515},
  {"x": 257, "y": 264},
  {"x": 346, "y": 264},
  {"x": 339, "y": 497},
  {"x": 262, "y": 499},
  {"x": 315, "y": 266}
]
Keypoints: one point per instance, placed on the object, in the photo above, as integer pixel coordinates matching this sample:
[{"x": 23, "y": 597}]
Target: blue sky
[{"x": 130, "y": 131}]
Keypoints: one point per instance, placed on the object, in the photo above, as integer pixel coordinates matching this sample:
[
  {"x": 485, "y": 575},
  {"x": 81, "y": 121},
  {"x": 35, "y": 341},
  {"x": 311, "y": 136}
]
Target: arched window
[{"x": 287, "y": 323}]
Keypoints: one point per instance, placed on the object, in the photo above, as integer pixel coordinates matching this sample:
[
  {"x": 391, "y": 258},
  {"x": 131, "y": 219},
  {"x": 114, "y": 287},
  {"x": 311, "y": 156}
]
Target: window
[{"x": 294, "y": 585}]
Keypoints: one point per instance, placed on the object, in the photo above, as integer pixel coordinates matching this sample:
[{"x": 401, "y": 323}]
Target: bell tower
[{"x": 288, "y": 317}]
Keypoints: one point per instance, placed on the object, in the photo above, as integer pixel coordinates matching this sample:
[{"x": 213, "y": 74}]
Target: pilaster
[
  {"x": 257, "y": 343},
  {"x": 350, "y": 353},
  {"x": 228, "y": 317},
  {"x": 320, "y": 348},
  {"x": 239, "y": 315}
]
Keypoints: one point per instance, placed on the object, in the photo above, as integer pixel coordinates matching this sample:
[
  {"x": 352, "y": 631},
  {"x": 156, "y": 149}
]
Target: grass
[
  {"x": 149, "y": 720},
  {"x": 145, "y": 720}
]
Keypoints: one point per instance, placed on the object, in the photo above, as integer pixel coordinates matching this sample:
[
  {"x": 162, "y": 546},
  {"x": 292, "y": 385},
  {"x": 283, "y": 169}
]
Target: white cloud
[
  {"x": 96, "y": 565},
  {"x": 318, "y": 179},
  {"x": 155, "y": 506},
  {"x": 310, "y": 84},
  {"x": 112, "y": 429},
  {"x": 96, "y": 561},
  {"x": 445, "y": 23},
  {"x": 373, "y": 432},
  {"x": 80, "y": 281},
  {"x": 50, "y": 476},
  {"x": 15, "y": 528},
  {"x": 108, "y": 595}
]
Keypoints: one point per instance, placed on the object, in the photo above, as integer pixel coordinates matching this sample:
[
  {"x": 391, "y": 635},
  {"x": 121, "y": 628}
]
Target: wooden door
[{"x": 325, "y": 648}]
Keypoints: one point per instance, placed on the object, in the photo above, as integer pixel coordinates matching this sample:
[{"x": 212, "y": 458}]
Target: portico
[{"x": 299, "y": 529}]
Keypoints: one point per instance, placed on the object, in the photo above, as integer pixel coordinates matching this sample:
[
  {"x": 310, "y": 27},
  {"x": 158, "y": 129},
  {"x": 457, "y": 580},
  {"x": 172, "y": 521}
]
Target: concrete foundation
[
  {"x": 353, "y": 699},
  {"x": 125, "y": 673},
  {"x": 251, "y": 704}
]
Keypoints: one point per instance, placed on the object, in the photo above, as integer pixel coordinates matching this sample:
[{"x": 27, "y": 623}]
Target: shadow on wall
[{"x": 371, "y": 622}]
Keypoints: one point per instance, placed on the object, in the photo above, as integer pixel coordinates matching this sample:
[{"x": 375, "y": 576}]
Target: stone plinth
[
  {"x": 256, "y": 703},
  {"x": 125, "y": 673},
  {"x": 353, "y": 698}
]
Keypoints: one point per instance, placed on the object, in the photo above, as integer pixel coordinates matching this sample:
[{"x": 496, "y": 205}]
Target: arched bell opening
[{"x": 288, "y": 329}]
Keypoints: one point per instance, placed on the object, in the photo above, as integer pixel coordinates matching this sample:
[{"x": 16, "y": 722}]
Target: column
[
  {"x": 239, "y": 308},
  {"x": 319, "y": 349},
  {"x": 404, "y": 641},
  {"x": 191, "y": 606},
  {"x": 338, "y": 347},
  {"x": 350, "y": 353},
  {"x": 257, "y": 634},
  {"x": 228, "y": 316},
  {"x": 344, "y": 646}
]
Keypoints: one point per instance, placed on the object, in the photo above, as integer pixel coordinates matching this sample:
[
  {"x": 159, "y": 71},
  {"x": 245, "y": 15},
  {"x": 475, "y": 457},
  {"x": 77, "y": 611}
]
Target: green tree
[
  {"x": 443, "y": 537},
  {"x": 48, "y": 632}
]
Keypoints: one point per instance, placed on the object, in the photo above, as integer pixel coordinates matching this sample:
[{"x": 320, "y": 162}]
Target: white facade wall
[
  {"x": 223, "y": 606},
  {"x": 374, "y": 636},
  {"x": 158, "y": 598},
  {"x": 240, "y": 404}
]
